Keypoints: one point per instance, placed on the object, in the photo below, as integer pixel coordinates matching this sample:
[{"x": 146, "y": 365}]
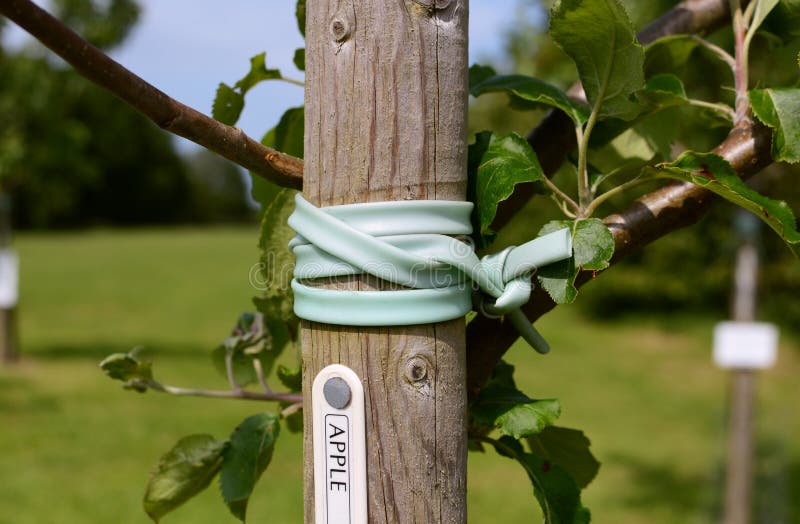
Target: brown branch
[
  {"x": 652, "y": 216},
  {"x": 167, "y": 113},
  {"x": 671, "y": 207},
  {"x": 554, "y": 137}
]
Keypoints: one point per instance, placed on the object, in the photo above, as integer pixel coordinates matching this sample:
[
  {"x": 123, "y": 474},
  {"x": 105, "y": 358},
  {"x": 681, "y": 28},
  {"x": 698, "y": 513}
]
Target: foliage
[
  {"x": 245, "y": 459},
  {"x": 72, "y": 155},
  {"x": 713, "y": 172},
  {"x": 600, "y": 38},
  {"x": 183, "y": 472},
  {"x": 104, "y": 24},
  {"x": 497, "y": 164},
  {"x": 190, "y": 466},
  {"x": 778, "y": 108},
  {"x": 557, "y": 470},
  {"x": 229, "y": 101},
  {"x": 61, "y": 171},
  {"x": 502, "y": 406},
  {"x": 593, "y": 246}
]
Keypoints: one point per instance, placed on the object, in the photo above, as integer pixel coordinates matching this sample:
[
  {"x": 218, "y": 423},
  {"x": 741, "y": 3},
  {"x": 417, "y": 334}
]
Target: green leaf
[
  {"x": 245, "y": 459},
  {"x": 714, "y": 173},
  {"x": 257, "y": 74},
  {"x": 663, "y": 91},
  {"x": 592, "y": 248},
  {"x": 228, "y": 105},
  {"x": 668, "y": 54},
  {"x": 763, "y": 8},
  {"x": 779, "y": 109},
  {"x": 501, "y": 405},
  {"x": 599, "y": 37},
  {"x": 291, "y": 378},
  {"x": 629, "y": 149},
  {"x": 287, "y": 136},
  {"x": 529, "y": 92},
  {"x": 569, "y": 448},
  {"x": 294, "y": 422},
  {"x": 300, "y": 58},
  {"x": 496, "y": 165},
  {"x": 558, "y": 280},
  {"x": 253, "y": 338},
  {"x": 229, "y": 101},
  {"x": 127, "y": 368},
  {"x": 277, "y": 261},
  {"x": 555, "y": 490},
  {"x": 183, "y": 472},
  {"x": 785, "y": 21},
  {"x": 526, "y": 417},
  {"x": 300, "y": 14},
  {"x": 479, "y": 73}
]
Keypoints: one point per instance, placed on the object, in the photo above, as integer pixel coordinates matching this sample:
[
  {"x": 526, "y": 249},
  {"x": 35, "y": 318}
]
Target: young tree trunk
[{"x": 386, "y": 101}]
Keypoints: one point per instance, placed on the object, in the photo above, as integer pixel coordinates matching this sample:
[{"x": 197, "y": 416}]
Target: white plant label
[
  {"x": 9, "y": 278},
  {"x": 340, "y": 451},
  {"x": 745, "y": 345}
]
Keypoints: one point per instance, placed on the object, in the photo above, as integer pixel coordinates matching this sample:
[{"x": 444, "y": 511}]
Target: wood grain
[{"x": 386, "y": 101}]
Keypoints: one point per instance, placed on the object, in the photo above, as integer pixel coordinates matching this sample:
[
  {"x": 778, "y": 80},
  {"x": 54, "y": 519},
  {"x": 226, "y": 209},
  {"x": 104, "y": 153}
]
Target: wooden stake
[
  {"x": 739, "y": 475},
  {"x": 386, "y": 104}
]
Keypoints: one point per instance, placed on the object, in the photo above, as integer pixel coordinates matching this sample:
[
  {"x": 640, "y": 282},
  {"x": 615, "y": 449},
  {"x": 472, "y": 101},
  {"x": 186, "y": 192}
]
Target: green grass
[{"x": 77, "y": 449}]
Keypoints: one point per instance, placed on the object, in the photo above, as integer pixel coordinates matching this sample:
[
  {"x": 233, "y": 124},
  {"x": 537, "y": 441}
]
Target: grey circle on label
[{"x": 336, "y": 392}]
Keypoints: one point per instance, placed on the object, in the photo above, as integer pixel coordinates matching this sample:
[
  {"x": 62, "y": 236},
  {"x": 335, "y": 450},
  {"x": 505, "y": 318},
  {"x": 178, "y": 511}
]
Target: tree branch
[
  {"x": 167, "y": 113},
  {"x": 241, "y": 394},
  {"x": 554, "y": 137},
  {"x": 676, "y": 205},
  {"x": 664, "y": 210}
]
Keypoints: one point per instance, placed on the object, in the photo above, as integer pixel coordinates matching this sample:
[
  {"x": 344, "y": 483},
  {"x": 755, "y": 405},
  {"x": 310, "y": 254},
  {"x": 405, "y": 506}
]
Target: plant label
[
  {"x": 745, "y": 345},
  {"x": 340, "y": 451},
  {"x": 9, "y": 278}
]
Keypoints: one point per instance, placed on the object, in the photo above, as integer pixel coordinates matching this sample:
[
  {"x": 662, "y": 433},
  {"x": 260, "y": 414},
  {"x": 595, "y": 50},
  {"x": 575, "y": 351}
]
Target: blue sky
[{"x": 186, "y": 47}]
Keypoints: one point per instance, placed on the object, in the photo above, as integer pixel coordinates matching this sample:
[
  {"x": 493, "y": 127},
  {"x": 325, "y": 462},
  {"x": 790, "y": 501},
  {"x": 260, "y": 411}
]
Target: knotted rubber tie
[{"x": 407, "y": 243}]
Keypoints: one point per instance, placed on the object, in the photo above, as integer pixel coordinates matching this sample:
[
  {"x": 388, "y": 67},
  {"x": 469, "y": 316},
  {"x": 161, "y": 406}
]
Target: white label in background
[
  {"x": 745, "y": 345},
  {"x": 340, "y": 457},
  {"x": 9, "y": 278}
]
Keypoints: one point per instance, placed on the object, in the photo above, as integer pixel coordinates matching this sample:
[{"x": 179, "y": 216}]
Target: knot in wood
[
  {"x": 433, "y": 5},
  {"x": 340, "y": 29},
  {"x": 416, "y": 369}
]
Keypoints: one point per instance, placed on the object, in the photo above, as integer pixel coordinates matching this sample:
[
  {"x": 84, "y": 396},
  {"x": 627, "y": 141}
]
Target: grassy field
[{"x": 77, "y": 449}]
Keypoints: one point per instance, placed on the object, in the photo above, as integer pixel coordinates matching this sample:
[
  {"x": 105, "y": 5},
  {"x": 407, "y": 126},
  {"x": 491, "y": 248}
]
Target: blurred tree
[
  {"x": 218, "y": 189},
  {"x": 72, "y": 155}
]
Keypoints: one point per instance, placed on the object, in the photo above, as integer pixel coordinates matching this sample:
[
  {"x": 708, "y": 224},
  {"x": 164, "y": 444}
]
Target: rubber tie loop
[{"x": 411, "y": 244}]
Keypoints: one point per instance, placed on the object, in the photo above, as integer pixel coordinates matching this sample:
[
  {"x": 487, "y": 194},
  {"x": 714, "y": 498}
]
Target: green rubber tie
[{"x": 407, "y": 243}]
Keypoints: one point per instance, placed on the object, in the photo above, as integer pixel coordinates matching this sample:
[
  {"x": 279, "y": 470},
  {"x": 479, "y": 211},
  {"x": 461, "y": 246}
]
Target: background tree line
[{"x": 72, "y": 155}]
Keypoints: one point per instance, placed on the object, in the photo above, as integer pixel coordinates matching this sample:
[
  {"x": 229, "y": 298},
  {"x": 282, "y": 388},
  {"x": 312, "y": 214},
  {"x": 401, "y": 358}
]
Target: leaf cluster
[
  {"x": 557, "y": 460},
  {"x": 190, "y": 466}
]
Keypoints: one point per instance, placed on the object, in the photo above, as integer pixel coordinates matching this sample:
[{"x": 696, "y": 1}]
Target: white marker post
[
  {"x": 9, "y": 286},
  {"x": 743, "y": 346},
  {"x": 340, "y": 451}
]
